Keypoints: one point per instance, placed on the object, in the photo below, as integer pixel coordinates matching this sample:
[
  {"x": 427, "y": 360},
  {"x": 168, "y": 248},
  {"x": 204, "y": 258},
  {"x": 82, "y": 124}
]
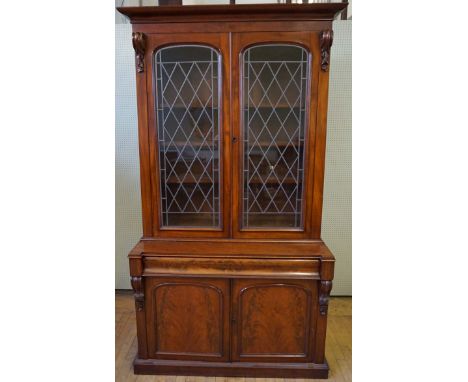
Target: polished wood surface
[
  {"x": 226, "y": 267},
  {"x": 238, "y": 12},
  {"x": 273, "y": 320},
  {"x": 188, "y": 318},
  {"x": 239, "y": 248},
  {"x": 232, "y": 26},
  {"x": 226, "y": 300},
  {"x": 338, "y": 349}
]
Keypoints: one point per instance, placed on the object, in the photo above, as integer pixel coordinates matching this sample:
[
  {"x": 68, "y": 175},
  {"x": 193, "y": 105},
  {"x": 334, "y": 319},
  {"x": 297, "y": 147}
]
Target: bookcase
[{"x": 231, "y": 277}]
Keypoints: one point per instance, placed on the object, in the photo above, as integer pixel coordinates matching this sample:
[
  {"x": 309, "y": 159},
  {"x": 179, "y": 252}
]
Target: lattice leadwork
[
  {"x": 187, "y": 104},
  {"x": 274, "y": 95}
]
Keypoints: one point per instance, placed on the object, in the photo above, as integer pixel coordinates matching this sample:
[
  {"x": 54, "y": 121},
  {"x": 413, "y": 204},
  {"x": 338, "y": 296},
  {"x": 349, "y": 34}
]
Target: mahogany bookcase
[{"x": 231, "y": 277}]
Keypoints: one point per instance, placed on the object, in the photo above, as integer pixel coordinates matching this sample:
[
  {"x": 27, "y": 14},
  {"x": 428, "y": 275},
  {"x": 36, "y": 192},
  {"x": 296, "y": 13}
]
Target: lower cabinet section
[{"x": 236, "y": 320}]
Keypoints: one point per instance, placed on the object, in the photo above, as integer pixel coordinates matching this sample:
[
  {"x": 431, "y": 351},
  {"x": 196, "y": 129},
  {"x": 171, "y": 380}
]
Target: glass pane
[
  {"x": 275, "y": 78},
  {"x": 187, "y": 107}
]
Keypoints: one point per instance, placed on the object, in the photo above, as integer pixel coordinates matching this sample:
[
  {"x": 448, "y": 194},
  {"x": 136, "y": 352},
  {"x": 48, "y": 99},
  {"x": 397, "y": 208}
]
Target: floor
[{"x": 338, "y": 348}]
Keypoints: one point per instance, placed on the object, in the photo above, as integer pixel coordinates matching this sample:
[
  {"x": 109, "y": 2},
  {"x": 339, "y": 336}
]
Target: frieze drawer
[{"x": 232, "y": 267}]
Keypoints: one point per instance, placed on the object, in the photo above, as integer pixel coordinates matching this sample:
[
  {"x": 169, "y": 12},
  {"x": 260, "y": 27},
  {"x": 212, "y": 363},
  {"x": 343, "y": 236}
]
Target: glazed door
[
  {"x": 273, "y": 320},
  {"x": 188, "y": 129},
  {"x": 187, "y": 318},
  {"x": 274, "y": 118}
]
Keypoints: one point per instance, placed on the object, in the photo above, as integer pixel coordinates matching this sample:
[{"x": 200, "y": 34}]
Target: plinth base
[{"x": 231, "y": 369}]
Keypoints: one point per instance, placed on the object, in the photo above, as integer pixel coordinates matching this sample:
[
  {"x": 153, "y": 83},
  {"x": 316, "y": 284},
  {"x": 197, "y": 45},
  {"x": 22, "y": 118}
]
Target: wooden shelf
[
  {"x": 193, "y": 144},
  {"x": 258, "y": 180},
  {"x": 183, "y": 107},
  {"x": 214, "y": 147},
  {"x": 196, "y": 219},
  {"x": 279, "y": 106},
  {"x": 200, "y": 106},
  {"x": 189, "y": 180},
  {"x": 206, "y": 180},
  {"x": 271, "y": 220},
  {"x": 277, "y": 143}
]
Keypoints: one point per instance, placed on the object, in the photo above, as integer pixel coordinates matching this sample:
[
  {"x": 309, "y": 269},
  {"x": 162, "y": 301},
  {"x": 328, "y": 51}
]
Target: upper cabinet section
[
  {"x": 187, "y": 110},
  {"x": 232, "y": 107}
]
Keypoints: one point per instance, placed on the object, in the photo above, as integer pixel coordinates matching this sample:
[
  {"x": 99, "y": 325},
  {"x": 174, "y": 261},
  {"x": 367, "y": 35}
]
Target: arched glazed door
[
  {"x": 275, "y": 129},
  {"x": 187, "y": 128}
]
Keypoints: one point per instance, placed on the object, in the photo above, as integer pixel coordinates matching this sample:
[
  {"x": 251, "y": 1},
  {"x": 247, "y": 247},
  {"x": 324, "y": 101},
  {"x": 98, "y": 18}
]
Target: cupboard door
[
  {"x": 274, "y": 123},
  {"x": 188, "y": 318},
  {"x": 187, "y": 128},
  {"x": 273, "y": 320}
]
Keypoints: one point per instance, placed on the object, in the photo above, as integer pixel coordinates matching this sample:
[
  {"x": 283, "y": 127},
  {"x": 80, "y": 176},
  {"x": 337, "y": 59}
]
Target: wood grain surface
[
  {"x": 188, "y": 318},
  {"x": 207, "y": 300},
  {"x": 338, "y": 347}
]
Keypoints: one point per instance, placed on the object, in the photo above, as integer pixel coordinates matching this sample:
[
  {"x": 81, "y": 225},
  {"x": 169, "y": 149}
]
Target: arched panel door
[
  {"x": 275, "y": 134},
  {"x": 274, "y": 320},
  {"x": 187, "y": 318},
  {"x": 187, "y": 128}
]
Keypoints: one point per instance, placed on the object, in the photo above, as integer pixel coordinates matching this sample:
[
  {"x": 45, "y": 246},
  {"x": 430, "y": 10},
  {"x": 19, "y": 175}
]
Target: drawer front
[
  {"x": 188, "y": 318},
  {"x": 232, "y": 267},
  {"x": 273, "y": 320}
]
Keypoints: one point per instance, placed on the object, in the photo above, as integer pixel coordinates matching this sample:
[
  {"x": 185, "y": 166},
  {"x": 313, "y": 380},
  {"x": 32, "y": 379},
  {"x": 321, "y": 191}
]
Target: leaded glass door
[
  {"x": 188, "y": 119},
  {"x": 275, "y": 134}
]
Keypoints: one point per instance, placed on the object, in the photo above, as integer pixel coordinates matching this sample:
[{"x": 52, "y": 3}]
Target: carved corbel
[
  {"x": 139, "y": 44},
  {"x": 326, "y": 41},
  {"x": 324, "y": 296},
  {"x": 137, "y": 285}
]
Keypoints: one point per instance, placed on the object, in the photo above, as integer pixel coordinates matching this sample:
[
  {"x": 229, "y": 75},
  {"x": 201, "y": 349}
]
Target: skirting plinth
[{"x": 231, "y": 369}]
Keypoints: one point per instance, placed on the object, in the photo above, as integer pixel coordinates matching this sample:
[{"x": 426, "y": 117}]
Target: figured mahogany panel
[
  {"x": 187, "y": 318},
  {"x": 273, "y": 320},
  {"x": 229, "y": 267}
]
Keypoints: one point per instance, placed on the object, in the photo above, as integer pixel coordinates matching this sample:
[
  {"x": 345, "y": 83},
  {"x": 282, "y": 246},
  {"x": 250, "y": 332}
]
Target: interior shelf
[
  {"x": 191, "y": 219},
  {"x": 244, "y": 107},
  {"x": 205, "y": 145},
  {"x": 271, "y": 220},
  {"x": 268, "y": 106},
  {"x": 257, "y": 180},
  {"x": 184, "y": 107}
]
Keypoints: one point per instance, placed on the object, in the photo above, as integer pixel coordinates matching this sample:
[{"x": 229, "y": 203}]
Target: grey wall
[
  {"x": 336, "y": 217},
  {"x": 127, "y": 173},
  {"x": 336, "y": 231}
]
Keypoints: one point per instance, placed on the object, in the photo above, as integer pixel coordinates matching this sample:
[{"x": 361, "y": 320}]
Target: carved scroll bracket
[
  {"x": 137, "y": 285},
  {"x": 324, "y": 296},
  {"x": 139, "y": 44},
  {"x": 326, "y": 41}
]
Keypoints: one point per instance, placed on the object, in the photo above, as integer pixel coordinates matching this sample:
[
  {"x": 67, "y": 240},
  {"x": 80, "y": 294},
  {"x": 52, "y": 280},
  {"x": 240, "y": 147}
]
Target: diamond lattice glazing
[
  {"x": 187, "y": 106},
  {"x": 275, "y": 80}
]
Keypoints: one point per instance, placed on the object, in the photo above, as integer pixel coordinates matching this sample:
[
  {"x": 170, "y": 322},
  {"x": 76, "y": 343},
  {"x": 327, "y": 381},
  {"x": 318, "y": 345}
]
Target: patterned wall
[
  {"x": 336, "y": 230},
  {"x": 336, "y": 217}
]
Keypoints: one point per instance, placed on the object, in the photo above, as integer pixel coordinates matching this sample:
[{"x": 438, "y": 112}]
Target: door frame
[
  {"x": 220, "y": 42},
  {"x": 240, "y": 42}
]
